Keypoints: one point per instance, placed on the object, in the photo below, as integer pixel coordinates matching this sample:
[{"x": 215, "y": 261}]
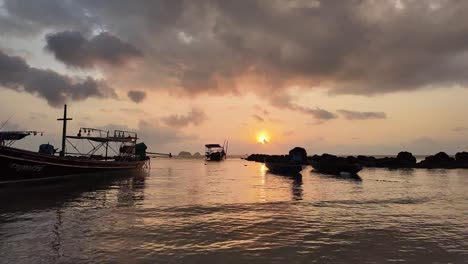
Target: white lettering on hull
[{"x": 30, "y": 168}]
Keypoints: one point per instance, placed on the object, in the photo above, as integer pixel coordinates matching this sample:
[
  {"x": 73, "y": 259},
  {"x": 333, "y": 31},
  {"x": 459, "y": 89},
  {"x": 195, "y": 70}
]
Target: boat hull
[
  {"x": 217, "y": 156},
  {"x": 283, "y": 168},
  {"x": 23, "y": 165},
  {"x": 336, "y": 169}
]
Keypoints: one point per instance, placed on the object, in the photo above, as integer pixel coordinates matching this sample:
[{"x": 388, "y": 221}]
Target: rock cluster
[
  {"x": 442, "y": 160},
  {"x": 404, "y": 159},
  {"x": 262, "y": 157}
]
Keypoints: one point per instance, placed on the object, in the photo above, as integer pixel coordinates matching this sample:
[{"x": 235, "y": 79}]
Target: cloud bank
[
  {"x": 73, "y": 49},
  {"x": 195, "y": 117},
  {"x": 137, "y": 96},
  {"x": 352, "y": 47},
  {"x": 57, "y": 89},
  {"x": 354, "y": 115},
  {"x": 218, "y": 47}
]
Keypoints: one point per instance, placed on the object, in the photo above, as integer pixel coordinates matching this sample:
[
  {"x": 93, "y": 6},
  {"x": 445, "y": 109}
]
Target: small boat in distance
[
  {"x": 336, "y": 168},
  {"x": 291, "y": 164},
  {"x": 216, "y": 152},
  {"x": 17, "y": 165},
  {"x": 283, "y": 167}
]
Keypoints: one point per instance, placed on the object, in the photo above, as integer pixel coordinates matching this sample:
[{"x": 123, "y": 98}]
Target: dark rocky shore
[{"x": 404, "y": 159}]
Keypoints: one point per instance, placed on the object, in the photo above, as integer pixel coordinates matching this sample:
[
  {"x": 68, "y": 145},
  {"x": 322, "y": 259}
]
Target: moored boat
[
  {"x": 216, "y": 152},
  {"x": 328, "y": 167},
  {"x": 24, "y": 165},
  {"x": 283, "y": 167},
  {"x": 291, "y": 164}
]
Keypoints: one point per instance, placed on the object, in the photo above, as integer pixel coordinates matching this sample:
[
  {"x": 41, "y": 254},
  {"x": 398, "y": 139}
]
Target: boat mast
[
  {"x": 227, "y": 144},
  {"x": 107, "y": 144},
  {"x": 64, "y": 133}
]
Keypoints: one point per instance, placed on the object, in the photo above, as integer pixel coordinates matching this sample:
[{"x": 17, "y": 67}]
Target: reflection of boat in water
[
  {"x": 216, "y": 152},
  {"x": 283, "y": 167},
  {"x": 296, "y": 182},
  {"x": 23, "y": 195},
  {"x": 23, "y": 165},
  {"x": 336, "y": 168}
]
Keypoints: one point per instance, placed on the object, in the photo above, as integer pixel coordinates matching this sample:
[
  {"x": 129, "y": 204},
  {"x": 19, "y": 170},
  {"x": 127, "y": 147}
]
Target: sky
[{"x": 342, "y": 77}]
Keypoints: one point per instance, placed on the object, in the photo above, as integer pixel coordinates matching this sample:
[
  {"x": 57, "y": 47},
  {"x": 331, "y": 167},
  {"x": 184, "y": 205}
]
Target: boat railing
[
  {"x": 95, "y": 132},
  {"x": 125, "y": 140},
  {"x": 122, "y": 134}
]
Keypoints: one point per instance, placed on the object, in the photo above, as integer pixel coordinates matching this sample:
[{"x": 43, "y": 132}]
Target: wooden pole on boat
[
  {"x": 107, "y": 144},
  {"x": 64, "y": 133}
]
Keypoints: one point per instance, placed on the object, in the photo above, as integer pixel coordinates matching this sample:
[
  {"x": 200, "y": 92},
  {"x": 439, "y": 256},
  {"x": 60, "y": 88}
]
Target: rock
[
  {"x": 461, "y": 156},
  {"x": 328, "y": 157},
  {"x": 387, "y": 162},
  {"x": 185, "y": 154},
  {"x": 196, "y": 154},
  {"x": 439, "y": 160},
  {"x": 367, "y": 161},
  {"x": 406, "y": 159},
  {"x": 298, "y": 154},
  {"x": 262, "y": 157},
  {"x": 461, "y": 159}
]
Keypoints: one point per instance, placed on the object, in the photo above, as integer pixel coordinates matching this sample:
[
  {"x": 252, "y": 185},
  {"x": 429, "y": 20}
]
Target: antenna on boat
[
  {"x": 227, "y": 144},
  {"x": 4, "y": 123},
  {"x": 64, "y": 133}
]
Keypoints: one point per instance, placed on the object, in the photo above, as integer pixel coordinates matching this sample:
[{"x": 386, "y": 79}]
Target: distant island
[{"x": 185, "y": 154}]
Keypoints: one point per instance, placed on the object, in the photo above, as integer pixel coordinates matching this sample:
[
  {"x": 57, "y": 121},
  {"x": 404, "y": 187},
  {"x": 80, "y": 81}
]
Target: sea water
[{"x": 235, "y": 211}]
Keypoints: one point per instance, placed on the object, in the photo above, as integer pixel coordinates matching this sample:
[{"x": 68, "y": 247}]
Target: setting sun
[{"x": 263, "y": 138}]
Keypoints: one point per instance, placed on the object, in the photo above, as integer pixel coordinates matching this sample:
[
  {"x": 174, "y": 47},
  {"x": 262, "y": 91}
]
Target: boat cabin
[{"x": 215, "y": 152}]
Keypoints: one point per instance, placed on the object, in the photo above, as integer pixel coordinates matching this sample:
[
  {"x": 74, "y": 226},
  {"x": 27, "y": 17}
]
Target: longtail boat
[{"x": 24, "y": 165}]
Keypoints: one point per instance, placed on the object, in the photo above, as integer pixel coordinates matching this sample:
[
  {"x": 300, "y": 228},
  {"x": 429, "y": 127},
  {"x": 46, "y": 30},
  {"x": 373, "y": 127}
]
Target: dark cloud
[
  {"x": 57, "y": 89},
  {"x": 73, "y": 49},
  {"x": 195, "y": 117},
  {"x": 318, "y": 113},
  {"x": 285, "y": 102},
  {"x": 258, "y": 118},
  {"x": 137, "y": 96},
  {"x": 42, "y": 14},
  {"x": 355, "y": 115},
  {"x": 353, "y": 47}
]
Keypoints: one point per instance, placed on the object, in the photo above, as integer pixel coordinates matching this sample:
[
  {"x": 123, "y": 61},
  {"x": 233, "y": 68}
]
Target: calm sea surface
[{"x": 189, "y": 211}]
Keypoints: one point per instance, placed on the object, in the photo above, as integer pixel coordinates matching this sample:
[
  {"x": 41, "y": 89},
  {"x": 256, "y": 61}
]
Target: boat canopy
[
  {"x": 105, "y": 139},
  {"x": 14, "y": 135},
  {"x": 213, "y": 146},
  {"x": 102, "y": 136}
]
